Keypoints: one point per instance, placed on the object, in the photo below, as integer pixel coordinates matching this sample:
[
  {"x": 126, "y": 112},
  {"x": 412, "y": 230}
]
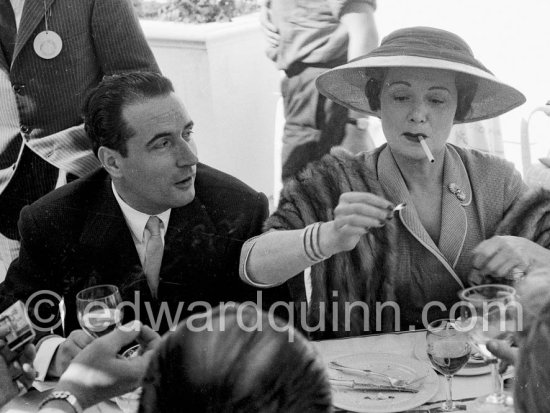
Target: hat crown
[{"x": 428, "y": 42}]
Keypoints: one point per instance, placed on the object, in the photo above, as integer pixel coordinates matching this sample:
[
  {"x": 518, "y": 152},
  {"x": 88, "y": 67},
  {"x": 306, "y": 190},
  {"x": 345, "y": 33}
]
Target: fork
[{"x": 393, "y": 381}]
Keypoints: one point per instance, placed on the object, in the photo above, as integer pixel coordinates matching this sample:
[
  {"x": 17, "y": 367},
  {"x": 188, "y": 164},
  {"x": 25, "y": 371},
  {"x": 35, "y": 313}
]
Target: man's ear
[{"x": 110, "y": 160}]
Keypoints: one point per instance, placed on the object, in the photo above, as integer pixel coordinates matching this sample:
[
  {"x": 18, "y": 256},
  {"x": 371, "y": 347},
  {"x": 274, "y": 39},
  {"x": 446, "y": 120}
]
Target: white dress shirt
[{"x": 136, "y": 222}]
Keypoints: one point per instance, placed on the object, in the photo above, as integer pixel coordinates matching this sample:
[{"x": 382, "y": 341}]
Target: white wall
[{"x": 230, "y": 89}]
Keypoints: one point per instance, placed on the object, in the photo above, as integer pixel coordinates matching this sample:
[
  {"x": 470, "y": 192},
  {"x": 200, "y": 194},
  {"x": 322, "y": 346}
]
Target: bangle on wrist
[{"x": 310, "y": 241}]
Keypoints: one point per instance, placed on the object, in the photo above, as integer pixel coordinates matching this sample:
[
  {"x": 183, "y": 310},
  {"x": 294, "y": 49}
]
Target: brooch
[{"x": 456, "y": 191}]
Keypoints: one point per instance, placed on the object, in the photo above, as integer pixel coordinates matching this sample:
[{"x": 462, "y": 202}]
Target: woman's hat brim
[{"x": 346, "y": 85}]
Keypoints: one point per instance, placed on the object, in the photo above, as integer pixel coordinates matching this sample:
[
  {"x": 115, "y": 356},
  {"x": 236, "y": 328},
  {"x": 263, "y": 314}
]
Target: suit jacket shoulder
[{"x": 226, "y": 198}]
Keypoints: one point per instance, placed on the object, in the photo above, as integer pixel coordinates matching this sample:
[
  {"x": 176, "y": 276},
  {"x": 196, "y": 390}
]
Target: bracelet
[
  {"x": 311, "y": 243},
  {"x": 65, "y": 396}
]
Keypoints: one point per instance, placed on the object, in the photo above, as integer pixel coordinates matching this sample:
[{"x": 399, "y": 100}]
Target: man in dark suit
[
  {"x": 52, "y": 52},
  {"x": 96, "y": 230}
]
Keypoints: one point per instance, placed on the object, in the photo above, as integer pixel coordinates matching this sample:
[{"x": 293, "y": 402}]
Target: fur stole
[
  {"x": 529, "y": 218},
  {"x": 358, "y": 276}
]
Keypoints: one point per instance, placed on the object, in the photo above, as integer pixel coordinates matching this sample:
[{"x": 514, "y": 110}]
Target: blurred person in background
[
  {"x": 305, "y": 38},
  {"x": 52, "y": 53}
]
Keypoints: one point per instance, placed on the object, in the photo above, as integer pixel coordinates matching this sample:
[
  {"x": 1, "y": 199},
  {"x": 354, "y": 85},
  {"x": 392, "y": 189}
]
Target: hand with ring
[{"x": 507, "y": 257}]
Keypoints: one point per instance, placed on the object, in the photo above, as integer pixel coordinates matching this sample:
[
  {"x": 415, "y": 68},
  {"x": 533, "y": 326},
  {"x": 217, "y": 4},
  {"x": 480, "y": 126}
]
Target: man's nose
[{"x": 186, "y": 154}]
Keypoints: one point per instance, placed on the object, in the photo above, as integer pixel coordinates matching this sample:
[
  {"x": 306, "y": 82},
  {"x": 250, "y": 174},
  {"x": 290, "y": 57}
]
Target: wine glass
[
  {"x": 448, "y": 350},
  {"x": 490, "y": 312},
  {"x": 98, "y": 309}
]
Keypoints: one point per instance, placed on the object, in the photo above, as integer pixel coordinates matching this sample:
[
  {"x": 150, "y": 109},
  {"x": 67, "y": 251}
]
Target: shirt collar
[{"x": 137, "y": 220}]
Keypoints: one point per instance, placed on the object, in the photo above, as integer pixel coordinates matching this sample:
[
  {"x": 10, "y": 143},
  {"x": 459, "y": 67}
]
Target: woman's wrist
[{"x": 326, "y": 241}]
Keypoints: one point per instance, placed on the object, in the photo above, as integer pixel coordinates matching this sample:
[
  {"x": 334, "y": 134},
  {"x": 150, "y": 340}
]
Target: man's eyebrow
[{"x": 189, "y": 125}]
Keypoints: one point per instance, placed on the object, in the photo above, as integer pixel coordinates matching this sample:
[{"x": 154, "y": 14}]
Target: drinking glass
[
  {"x": 98, "y": 309},
  {"x": 448, "y": 350},
  {"x": 490, "y": 312}
]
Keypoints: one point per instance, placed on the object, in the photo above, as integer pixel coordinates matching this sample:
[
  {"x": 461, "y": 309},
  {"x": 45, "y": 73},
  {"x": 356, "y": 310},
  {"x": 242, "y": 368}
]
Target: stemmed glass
[
  {"x": 490, "y": 312},
  {"x": 98, "y": 309},
  {"x": 448, "y": 350}
]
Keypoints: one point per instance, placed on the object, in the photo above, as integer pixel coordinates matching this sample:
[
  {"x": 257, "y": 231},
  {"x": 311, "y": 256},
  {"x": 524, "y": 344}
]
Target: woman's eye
[
  {"x": 437, "y": 101},
  {"x": 400, "y": 98}
]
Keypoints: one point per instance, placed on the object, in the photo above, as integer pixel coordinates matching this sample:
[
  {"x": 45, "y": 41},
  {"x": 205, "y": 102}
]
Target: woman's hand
[
  {"x": 354, "y": 215},
  {"x": 499, "y": 256}
]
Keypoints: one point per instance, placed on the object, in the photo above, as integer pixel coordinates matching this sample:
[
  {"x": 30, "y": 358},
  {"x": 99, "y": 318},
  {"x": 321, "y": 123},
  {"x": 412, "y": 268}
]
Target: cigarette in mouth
[{"x": 426, "y": 149}]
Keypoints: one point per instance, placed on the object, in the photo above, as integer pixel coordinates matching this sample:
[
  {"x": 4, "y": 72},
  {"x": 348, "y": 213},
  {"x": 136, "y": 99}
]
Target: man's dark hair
[
  {"x": 466, "y": 88},
  {"x": 102, "y": 110}
]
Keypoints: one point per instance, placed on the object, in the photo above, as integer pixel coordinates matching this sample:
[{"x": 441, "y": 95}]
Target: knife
[{"x": 352, "y": 384}]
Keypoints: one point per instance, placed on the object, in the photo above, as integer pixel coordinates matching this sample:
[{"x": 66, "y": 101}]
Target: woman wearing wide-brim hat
[{"x": 337, "y": 216}]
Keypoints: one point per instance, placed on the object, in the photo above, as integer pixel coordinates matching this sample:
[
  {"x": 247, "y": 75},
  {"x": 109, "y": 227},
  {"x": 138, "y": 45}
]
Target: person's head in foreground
[
  {"x": 420, "y": 82},
  {"x": 235, "y": 367},
  {"x": 141, "y": 133},
  {"x": 532, "y": 387}
]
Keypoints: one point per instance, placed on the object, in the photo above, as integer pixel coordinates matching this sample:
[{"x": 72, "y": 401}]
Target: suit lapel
[
  {"x": 106, "y": 233},
  {"x": 394, "y": 186},
  {"x": 3, "y": 64},
  {"x": 33, "y": 13},
  {"x": 454, "y": 223}
]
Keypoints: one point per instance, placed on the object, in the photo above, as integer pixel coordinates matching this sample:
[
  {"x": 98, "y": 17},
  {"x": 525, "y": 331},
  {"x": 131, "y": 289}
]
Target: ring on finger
[{"x": 516, "y": 274}]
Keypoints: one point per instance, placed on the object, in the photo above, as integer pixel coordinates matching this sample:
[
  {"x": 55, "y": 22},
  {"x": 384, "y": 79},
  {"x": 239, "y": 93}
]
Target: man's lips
[{"x": 185, "y": 181}]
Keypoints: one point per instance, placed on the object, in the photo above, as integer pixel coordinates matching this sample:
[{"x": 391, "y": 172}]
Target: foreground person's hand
[
  {"x": 507, "y": 354},
  {"x": 97, "y": 373},
  {"x": 355, "y": 214},
  {"x": 19, "y": 370},
  {"x": 67, "y": 351}
]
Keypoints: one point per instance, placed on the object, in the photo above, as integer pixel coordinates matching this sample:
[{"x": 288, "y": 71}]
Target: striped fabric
[{"x": 41, "y": 99}]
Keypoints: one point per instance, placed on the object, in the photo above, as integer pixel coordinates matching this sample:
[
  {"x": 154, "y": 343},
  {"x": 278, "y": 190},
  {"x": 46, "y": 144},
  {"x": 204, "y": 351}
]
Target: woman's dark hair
[
  {"x": 102, "y": 110},
  {"x": 466, "y": 88},
  {"x": 235, "y": 361}
]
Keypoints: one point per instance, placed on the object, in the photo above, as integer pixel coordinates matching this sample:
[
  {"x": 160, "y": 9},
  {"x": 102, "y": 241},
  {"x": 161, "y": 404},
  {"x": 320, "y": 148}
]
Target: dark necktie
[
  {"x": 8, "y": 29},
  {"x": 153, "y": 254}
]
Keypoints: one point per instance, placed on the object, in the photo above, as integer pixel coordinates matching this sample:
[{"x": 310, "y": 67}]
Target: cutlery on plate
[
  {"x": 352, "y": 384},
  {"x": 395, "y": 382}
]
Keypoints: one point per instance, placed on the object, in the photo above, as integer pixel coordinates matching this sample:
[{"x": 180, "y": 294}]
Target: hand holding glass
[{"x": 490, "y": 312}]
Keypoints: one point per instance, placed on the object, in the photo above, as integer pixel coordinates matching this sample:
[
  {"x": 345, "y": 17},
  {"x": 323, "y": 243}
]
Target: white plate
[
  {"x": 472, "y": 368},
  {"x": 393, "y": 364}
]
